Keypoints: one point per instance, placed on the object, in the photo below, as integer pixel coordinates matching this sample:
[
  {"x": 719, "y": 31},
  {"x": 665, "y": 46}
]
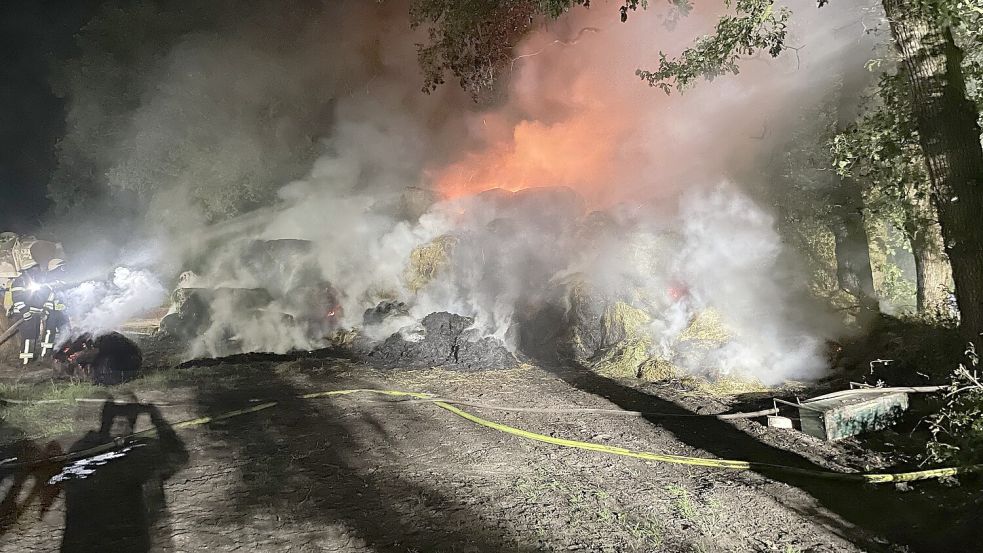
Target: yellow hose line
[
  {"x": 714, "y": 463},
  {"x": 664, "y": 458},
  {"x": 876, "y": 478}
]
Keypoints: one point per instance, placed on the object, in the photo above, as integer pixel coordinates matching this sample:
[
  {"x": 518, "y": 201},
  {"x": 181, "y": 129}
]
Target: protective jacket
[
  {"x": 33, "y": 293},
  {"x": 34, "y": 299}
]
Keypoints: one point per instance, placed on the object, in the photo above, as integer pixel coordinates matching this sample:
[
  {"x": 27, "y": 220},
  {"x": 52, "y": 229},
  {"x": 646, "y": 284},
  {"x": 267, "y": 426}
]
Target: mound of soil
[{"x": 445, "y": 342}]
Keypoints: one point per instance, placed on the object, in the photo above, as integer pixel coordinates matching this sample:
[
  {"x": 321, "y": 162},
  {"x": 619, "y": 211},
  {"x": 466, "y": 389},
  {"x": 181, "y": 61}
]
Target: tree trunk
[
  {"x": 853, "y": 272},
  {"x": 932, "y": 270},
  {"x": 950, "y": 139}
]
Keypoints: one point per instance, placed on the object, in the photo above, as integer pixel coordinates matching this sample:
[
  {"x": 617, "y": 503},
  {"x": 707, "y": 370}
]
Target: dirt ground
[{"x": 364, "y": 473}]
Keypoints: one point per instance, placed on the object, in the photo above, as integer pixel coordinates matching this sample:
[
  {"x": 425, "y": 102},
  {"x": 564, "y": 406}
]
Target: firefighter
[{"x": 34, "y": 298}]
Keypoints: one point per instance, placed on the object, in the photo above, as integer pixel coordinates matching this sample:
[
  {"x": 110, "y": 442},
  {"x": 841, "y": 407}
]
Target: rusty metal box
[{"x": 842, "y": 415}]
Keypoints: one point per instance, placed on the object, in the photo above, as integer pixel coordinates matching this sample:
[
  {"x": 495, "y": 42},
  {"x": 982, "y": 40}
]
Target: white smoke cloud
[
  {"x": 729, "y": 257},
  {"x": 97, "y": 306},
  {"x": 227, "y": 119}
]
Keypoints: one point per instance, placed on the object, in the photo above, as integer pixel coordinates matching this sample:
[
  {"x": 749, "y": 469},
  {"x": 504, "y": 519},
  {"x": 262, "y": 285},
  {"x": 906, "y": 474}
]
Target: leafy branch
[
  {"x": 957, "y": 428},
  {"x": 756, "y": 26}
]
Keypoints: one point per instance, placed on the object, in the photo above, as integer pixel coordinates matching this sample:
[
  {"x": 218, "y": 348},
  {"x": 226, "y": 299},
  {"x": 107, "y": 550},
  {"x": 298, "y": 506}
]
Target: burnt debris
[
  {"x": 446, "y": 341},
  {"x": 385, "y": 310},
  {"x": 106, "y": 359}
]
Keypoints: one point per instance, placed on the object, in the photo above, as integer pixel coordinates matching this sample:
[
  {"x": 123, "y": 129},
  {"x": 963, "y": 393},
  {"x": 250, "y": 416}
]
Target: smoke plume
[
  {"x": 307, "y": 123},
  {"x": 97, "y": 305}
]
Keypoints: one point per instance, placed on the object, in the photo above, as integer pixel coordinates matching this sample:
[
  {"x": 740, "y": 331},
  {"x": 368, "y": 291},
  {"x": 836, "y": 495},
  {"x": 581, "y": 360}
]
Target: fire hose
[{"x": 731, "y": 464}]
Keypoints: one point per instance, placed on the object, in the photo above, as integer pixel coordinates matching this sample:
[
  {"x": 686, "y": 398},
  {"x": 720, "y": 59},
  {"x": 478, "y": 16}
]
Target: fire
[
  {"x": 575, "y": 153},
  {"x": 576, "y": 116},
  {"x": 561, "y": 126}
]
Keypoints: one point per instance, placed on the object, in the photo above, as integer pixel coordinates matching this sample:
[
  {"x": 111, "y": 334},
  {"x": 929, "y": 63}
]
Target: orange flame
[{"x": 573, "y": 153}]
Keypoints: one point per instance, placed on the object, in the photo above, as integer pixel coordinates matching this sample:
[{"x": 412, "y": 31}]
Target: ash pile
[{"x": 442, "y": 340}]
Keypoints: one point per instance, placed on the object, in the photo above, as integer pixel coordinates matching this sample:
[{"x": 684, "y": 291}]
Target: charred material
[
  {"x": 107, "y": 359},
  {"x": 446, "y": 340},
  {"x": 261, "y": 280},
  {"x": 385, "y": 310},
  {"x": 191, "y": 311}
]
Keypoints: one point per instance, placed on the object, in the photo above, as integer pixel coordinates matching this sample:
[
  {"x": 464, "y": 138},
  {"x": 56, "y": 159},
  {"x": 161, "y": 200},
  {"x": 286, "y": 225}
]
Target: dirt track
[{"x": 364, "y": 474}]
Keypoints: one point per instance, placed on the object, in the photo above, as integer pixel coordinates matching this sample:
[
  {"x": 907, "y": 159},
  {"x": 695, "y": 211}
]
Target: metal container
[{"x": 846, "y": 414}]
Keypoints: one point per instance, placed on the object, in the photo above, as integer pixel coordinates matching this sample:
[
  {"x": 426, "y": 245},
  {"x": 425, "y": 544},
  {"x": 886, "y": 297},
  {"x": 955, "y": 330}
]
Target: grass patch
[
  {"x": 167, "y": 378},
  {"x": 57, "y": 413},
  {"x": 49, "y": 391},
  {"x": 586, "y": 505},
  {"x": 705, "y": 515},
  {"x": 38, "y": 420},
  {"x": 683, "y": 502}
]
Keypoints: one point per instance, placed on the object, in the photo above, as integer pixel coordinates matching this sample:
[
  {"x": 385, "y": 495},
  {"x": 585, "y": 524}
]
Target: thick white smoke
[
  {"x": 96, "y": 306},
  {"x": 730, "y": 260},
  {"x": 227, "y": 117}
]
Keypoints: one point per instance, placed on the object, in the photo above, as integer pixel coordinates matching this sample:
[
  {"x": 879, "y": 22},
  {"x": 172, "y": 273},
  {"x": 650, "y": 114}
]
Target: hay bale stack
[
  {"x": 427, "y": 260},
  {"x": 584, "y": 334},
  {"x": 706, "y": 330},
  {"x": 626, "y": 344},
  {"x": 628, "y": 349}
]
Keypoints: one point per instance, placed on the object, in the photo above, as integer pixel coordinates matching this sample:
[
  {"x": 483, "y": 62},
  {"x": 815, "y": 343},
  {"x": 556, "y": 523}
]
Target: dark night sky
[{"x": 34, "y": 35}]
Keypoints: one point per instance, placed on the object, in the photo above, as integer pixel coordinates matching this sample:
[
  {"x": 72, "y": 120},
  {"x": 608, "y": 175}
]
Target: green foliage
[
  {"x": 966, "y": 20},
  {"x": 473, "y": 39},
  {"x": 882, "y": 151},
  {"x": 470, "y": 39},
  {"x": 756, "y": 26},
  {"x": 892, "y": 285},
  {"x": 957, "y": 428},
  {"x": 952, "y": 13},
  {"x": 800, "y": 185}
]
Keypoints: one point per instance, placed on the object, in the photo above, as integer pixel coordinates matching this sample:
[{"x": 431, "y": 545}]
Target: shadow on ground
[
  {"x": 913, "y": 519},
  {"x": 115, "y": 501},
  {"x": 313, "y": 464},
  {"x": 22, "y": 487}
]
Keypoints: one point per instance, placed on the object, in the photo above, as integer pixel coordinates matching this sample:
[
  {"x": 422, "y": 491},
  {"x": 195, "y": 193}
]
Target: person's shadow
[
  {"x": 113, "y": 500},
  {"x": 27, "y": 481}
]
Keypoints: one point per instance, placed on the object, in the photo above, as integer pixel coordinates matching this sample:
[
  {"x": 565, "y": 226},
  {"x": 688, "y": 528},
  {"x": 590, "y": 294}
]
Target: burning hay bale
[
  {"x": 191, "y": 308},
  {"x": 585, "y": 334},
  {"x": 616, "y": 338},
  {"x": 266, "y": 295},
  {"x": 427, "y": 260},
  {"x": 345, "y": 340},
  {"x": 696, "y": 345},
  {"x": 445, "y": 340},
  {"x": 384, "y": 311},
  {"x": 706, "y": 329},
  {"x": 625, "y": 344}
]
